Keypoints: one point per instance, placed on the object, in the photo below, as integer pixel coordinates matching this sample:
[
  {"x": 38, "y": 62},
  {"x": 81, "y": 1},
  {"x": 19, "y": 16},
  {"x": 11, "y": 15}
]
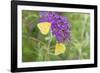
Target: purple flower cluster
[{"x": 60, "y": 26}]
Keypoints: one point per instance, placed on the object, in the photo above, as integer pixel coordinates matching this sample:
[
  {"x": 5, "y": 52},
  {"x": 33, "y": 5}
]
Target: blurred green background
[{"x": 34, "y": 44}]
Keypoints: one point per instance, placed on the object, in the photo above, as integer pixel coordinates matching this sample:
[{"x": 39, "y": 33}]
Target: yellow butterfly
[
  {"x": 59, "y": 48},
  {"x": 44, "y": 27}
]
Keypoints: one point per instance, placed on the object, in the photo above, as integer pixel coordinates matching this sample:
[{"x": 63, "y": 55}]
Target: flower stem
[
  {"x": 80, "y": 53},
  {"x": 48, "y": 49}
]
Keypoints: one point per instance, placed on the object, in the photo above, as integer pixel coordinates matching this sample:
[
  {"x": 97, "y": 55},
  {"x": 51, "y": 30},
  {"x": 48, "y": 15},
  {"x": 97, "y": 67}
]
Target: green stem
[
  {"x": 34, "y": 39},
  {"x": 80, "y": 53},
  {"x": 48, "y": 49},
  {"x": 82, "y": 35}
]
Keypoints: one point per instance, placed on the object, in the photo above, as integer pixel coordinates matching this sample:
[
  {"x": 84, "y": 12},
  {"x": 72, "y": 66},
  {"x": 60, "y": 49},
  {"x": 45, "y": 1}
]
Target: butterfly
[
  {"x": 59, "y": 48},
  {"x": 44, "y": 27}
]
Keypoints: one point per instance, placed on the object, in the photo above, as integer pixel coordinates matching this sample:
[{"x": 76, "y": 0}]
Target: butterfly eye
[
  {"x": 59, "y": 48},
  {"x": 44, "y": 27}
]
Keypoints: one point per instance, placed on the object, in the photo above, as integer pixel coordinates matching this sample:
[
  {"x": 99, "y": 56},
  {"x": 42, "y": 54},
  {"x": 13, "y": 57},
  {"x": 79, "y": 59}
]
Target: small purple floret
[{"x": 60, "y": 26}]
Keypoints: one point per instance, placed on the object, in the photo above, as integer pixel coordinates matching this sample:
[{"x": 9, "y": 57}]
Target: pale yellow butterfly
[
  {"x": 59, "y": 48},
  {"x": 44, "y": 27}
]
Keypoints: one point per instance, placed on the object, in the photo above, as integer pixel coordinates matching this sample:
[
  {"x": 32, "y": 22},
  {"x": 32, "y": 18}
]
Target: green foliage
[{"x": 35, "y": 45}]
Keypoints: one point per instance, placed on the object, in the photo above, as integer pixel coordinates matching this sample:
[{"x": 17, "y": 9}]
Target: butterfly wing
[
  {"x": 44, "y": 27},
  {"x": 59, "y": 48}
]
